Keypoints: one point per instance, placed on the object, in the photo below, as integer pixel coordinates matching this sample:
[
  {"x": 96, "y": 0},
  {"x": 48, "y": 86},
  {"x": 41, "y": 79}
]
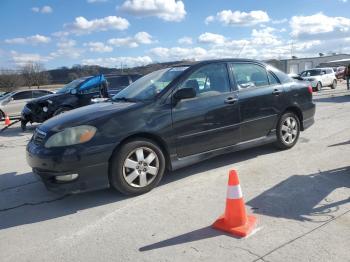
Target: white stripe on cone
[{"x": 234, "y": 192}]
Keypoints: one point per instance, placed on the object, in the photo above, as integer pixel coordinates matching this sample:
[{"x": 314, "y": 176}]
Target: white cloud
[
  {"x": 168, "y": 10},
  {"x": 135, "y": 41},
  {"x": 281, "y": 21},
  {"x": 44, "y": 10},
  {"x": 319, "y": 26},
  {"x": 98, "y": 47},
  {"x": 67, "y": 48},
  {"x": 238, "y": 18},
  {"x": 209, "y": 19},
  {"x": 178, "y": 53},
  {"x": 210, "y": 38},
  {"x": 186, "y": 40},
  {"x": 116, "y": 61},
  {"x": 265, "y": 36},
  {"x": 33, "y": 40},
  {"x": 83, "y": 26},
  {"x": 21, "y": 59}
]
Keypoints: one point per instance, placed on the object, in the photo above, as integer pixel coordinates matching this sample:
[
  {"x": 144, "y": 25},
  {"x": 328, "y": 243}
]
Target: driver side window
[
  {"x": 209, "y": 80},
  {"x": 90, "y": 90}
]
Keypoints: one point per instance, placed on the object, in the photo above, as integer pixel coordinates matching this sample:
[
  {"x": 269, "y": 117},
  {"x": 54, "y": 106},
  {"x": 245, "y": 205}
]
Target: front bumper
[{"x": 89, "y": 162}]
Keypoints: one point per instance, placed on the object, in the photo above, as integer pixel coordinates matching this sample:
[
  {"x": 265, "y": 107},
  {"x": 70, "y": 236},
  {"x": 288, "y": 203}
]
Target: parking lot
[{"x": 300, "y": 197}]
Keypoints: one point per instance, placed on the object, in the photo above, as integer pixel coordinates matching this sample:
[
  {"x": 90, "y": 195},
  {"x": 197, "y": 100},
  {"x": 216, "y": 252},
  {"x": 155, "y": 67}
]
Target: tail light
[{"x": 310, "y": 89}]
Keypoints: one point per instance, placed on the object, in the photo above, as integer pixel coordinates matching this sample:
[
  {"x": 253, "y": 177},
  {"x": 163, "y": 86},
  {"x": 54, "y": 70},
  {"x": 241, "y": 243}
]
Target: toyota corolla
[{"x": 169, "y": 119}]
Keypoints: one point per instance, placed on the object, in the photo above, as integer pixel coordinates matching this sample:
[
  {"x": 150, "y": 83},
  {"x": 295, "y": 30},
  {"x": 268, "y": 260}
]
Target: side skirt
[{"x": 177, "y": 163}]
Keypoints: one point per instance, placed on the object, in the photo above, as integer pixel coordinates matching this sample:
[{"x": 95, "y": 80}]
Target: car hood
[
  {"x": 52, "y": 97},
  {"x": 87, "y": 115}
]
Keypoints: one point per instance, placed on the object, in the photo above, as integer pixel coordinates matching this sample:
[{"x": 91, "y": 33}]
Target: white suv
[{"x": 320, "y": 77}]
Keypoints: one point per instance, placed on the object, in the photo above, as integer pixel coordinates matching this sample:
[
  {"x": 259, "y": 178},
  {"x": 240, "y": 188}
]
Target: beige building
[{"x": 297, "y": 65}]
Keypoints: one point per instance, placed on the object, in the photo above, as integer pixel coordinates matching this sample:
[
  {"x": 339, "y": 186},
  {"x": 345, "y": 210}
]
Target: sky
[{"x": 130, "y": 33}]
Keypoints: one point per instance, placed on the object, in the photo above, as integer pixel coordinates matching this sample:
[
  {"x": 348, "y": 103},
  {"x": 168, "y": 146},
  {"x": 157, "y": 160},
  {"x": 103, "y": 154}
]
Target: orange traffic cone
[
  {"x": 235, "y": 220},
  {"x": 7, "y": 120}
]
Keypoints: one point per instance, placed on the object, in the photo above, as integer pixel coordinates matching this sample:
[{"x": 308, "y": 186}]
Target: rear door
[
  {"x": 18, "y": 101},
  {"x": 211, "y": 119},
  {"x": 260, "y": 98}
]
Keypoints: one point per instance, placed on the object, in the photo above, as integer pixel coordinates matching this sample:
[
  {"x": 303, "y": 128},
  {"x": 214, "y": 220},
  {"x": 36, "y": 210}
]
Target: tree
[
  {"x": 9, "y": 80},
  {"x": 34, "y": 74}
]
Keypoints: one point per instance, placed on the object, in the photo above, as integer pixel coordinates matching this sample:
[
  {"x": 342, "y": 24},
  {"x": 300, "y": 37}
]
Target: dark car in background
[
  {"x": 78, "y": 93},
  {"x": 116, "y": 83},
  {"x": 169, "y": 119},
  {"x": 12, "y": 103}
]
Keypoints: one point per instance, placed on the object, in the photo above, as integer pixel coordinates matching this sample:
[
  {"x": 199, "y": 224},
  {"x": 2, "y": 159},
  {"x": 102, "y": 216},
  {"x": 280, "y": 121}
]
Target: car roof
[{"x": 234, "y": 60}]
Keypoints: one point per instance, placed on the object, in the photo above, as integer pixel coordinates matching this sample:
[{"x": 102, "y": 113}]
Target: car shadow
[
  {"x": 333, "y": 99},
  {"x": 63, "y": 205},
  {"x": 299, "y": 196},
  {"x": 16, "y": 130}
]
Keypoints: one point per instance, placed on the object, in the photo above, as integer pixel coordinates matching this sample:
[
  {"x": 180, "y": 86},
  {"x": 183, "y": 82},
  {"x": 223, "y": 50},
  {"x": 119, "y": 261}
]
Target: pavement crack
[
  {"x": 13, "y": 187},
  {"x": 244, "y": 249},
  {"x": 36, "y": 203},
  {"x": 301, "y": 236}
]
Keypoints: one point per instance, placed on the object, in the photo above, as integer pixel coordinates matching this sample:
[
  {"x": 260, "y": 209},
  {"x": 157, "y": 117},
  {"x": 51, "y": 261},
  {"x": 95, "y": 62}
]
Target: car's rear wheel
[
  {"x": 318, "y": 87},
  {"x": 334, "y": 84},
  {"x": 288, "y": 131},
  {"x": 137, "y": 167},
  {"x": 61, "y": 111}
]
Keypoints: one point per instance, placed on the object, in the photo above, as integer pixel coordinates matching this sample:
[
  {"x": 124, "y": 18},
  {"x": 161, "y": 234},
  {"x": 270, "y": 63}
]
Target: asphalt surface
[{"x": 301, "y": 198}]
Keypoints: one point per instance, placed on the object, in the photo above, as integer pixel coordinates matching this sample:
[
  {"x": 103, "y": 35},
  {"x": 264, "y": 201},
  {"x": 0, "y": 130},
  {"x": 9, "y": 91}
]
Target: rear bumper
[
  {"x": 90, "y": 163},
  {"x": 309, "y": 111}
]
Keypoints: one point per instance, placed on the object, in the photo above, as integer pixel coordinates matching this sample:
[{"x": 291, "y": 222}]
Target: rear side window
[
  {"x": 40, "y": 93},
  {"x": 272, "y": 79},
  {"x": 118, "y": 82},
  {"x": 249, "y": 75},
  {"x": 23, "y": 95},
  {"x": 282, "y": 77},
  {"x": 329, "y": 71}
]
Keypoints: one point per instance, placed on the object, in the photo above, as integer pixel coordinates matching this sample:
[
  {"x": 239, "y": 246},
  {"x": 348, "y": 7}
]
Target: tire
[
  {"x": 127, "y": 163},
  {"x": 288, "y": 134},
  {"x": 61, "y": 111},
  {"x": 318, "y": 87},
  {"x": 334, "y": 84},
  {"x": 24, "y": 125}
]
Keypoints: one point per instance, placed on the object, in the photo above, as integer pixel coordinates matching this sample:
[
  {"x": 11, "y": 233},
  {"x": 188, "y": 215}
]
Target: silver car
[
  {"x": 320, "y": 77},
  {"x": 12, "y": 103}
]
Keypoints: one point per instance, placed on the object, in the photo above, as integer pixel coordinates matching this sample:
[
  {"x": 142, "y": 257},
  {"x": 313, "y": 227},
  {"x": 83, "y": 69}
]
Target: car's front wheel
[
  {"x": 288, "y": 130},
  {"x": 137, "y": 167}
]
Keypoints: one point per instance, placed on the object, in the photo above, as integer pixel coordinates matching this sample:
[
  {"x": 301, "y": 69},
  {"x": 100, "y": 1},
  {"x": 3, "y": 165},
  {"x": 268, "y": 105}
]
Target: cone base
[{"x": 240, "y": 231}]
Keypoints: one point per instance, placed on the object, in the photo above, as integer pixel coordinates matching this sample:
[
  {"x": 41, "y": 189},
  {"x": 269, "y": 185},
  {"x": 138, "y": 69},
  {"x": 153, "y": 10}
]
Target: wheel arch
[
  {"x": 296, "y": 110},
  {"x": 149, "y": 136}
]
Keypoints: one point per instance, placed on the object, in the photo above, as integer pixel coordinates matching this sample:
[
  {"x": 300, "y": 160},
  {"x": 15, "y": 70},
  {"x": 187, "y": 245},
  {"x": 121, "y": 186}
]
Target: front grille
[{"x": 38, "y": 137}]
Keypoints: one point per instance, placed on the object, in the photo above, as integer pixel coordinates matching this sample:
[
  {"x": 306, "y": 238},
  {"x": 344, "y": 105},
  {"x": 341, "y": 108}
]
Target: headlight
[{"x": 71, "y": 136}]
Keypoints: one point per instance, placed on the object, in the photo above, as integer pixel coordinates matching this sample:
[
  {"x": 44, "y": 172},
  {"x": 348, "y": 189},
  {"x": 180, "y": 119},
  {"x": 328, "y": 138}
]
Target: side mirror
[
  {"x": 73, "y": 91},
  {"x": 185, "y": 93}
]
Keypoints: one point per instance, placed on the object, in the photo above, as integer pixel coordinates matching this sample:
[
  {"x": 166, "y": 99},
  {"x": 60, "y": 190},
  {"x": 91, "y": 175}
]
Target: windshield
[
  {"x": 147, "y": 87},
  {"x": 314, "y": 72},
  {"x": 71, "y": 85},
  {"x": 5, "y": 96}
]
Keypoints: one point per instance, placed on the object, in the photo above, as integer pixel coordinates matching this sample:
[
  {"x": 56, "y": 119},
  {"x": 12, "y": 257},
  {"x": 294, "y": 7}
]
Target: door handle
[
  {"x": 276, "y": 92},
  {"x": 231, "y": 100}
]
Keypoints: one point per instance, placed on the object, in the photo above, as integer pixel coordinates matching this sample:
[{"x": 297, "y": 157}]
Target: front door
[
  {"x": 211, "y": 119},
  {"x": 260, "y": 98}
]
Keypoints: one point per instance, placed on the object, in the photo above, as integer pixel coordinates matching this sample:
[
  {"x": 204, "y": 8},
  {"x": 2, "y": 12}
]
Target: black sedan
[{"x": 169, "y": 119}]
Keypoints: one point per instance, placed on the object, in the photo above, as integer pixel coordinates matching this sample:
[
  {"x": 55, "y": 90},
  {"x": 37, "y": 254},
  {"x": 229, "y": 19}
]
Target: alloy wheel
[
  {"x": 289, "y": 130},
  {"x": 141, "y": 167}
]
